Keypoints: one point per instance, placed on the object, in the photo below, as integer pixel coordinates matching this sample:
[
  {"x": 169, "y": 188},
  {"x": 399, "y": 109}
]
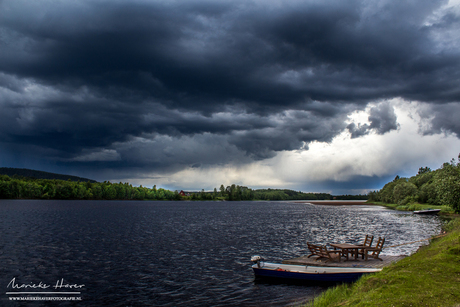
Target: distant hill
[{"x": 24, "y": 172}]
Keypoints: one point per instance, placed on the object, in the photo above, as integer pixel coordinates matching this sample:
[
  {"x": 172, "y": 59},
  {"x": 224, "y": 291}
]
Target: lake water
[{"x": 129, "y": 253}]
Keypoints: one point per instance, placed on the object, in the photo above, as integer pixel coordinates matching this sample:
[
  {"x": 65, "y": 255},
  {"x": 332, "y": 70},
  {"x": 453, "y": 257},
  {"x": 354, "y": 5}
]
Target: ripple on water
[{"x": 183, "y": 253}]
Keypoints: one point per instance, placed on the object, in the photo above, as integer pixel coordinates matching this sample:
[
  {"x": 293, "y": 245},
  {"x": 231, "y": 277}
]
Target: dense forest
[
  {"x": 236, "y": 192},
  {"x": 24, "y": 172},
  {"x": 30, "y": 188},
  {"x": 18, "y": 187},
  {"x": 438, "y": 187},
  {"x": 30, "y": 184}
]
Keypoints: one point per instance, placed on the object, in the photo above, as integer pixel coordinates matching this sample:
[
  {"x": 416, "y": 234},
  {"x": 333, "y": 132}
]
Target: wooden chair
[
  {"x": 367, "y": 243},
  {"x": 322, "y": 252},
  {"x": 375, "y": 250}
]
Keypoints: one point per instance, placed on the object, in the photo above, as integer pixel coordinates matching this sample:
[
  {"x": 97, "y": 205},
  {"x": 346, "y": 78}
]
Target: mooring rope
[{"x": 438, "y": 236}]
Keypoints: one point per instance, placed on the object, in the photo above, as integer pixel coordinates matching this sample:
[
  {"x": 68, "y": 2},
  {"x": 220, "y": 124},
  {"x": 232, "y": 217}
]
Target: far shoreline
[{"x": 335, "y": 202}]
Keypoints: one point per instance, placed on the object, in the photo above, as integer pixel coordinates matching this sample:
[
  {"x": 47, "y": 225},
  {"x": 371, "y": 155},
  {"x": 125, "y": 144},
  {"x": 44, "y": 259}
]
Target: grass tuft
[{"x": 415, "y": 207}]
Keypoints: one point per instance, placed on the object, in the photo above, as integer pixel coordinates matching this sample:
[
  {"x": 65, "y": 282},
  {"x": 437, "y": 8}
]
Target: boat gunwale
[{"x": 309, "y": 269}]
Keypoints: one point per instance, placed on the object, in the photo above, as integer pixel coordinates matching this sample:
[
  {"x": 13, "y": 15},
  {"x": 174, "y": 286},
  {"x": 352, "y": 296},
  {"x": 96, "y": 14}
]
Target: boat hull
[
  {"x": 426, "y": 212},
  {"x": 310, "y": 273}
]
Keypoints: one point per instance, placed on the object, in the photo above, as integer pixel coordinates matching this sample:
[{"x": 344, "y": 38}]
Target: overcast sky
[{"x": 318, "y": 96}]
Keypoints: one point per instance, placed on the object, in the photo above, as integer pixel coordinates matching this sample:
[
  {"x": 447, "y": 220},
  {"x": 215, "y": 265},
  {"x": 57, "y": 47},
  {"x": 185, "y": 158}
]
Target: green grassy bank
[
  {"x": 414, "y": 207},
  {"x": 429, "y": 277}
]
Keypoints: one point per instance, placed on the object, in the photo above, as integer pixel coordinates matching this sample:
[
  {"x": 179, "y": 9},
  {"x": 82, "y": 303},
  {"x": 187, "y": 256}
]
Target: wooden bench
[{"x": 322, "y": 252}]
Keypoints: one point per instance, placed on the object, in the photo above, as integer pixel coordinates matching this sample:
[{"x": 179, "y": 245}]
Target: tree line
[
  {"x": 236, "y": 193},
  {"x": 438, "y": 187},
  {"x": 17, "y": 187},
  {"x": 30, "y": 173}
]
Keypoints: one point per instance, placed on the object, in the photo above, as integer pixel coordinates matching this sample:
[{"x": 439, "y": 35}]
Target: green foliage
[
  {"x": 236, "y": 193},
  {"x": 31, "y": 188},
  {"x": 386, "y": 194},
  {"x": 439, "y": 187},
  {"x": 402, "y": 190},
  {"x": 421, "y": 178},
  {"x": 428, "y": 194},
  {"x": 447, "y": 186},
  {"x": 275, "y": 194}
]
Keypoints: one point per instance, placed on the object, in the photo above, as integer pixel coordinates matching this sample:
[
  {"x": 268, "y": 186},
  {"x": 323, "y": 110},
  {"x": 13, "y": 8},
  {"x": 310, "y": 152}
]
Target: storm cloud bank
[{"x": 143, "y": 87}]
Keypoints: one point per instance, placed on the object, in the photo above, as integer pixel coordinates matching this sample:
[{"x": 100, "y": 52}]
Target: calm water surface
[{"x": 180, "y": 253}]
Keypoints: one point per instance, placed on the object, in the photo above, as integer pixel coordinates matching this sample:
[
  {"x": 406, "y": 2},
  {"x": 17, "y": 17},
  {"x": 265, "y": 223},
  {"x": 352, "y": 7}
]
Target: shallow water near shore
[{"x": 129, "y": 253}]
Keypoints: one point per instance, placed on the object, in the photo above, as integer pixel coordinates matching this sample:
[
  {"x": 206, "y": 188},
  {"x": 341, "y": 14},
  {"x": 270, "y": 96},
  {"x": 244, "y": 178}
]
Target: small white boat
[
  {"x": 307, "y": 273},
  {"x": 427, "y": 211}
]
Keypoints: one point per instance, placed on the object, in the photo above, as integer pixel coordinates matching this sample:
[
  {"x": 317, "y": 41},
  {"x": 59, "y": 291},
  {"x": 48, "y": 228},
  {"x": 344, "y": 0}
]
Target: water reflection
[{"x": 183, "y": 253}]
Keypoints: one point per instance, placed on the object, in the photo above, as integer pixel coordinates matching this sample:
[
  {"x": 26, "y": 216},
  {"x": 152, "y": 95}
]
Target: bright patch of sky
[{"x": 398, "y": 152}]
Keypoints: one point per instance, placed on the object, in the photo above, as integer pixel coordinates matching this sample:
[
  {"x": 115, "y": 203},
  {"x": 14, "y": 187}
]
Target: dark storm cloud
[
  {"x": 199, "y": 55},
  {"x": 443, "y": 118},
  {"x": 84, "y": 79},
  {"x": 382, "y": 119},
  {"x": 289, "y": 131},
  {"x": 72, "y": 125}
]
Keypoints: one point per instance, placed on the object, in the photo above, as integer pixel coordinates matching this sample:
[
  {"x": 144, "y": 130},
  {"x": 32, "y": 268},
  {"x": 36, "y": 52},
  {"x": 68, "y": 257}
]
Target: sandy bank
[{"x": 334, "y": 202}]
